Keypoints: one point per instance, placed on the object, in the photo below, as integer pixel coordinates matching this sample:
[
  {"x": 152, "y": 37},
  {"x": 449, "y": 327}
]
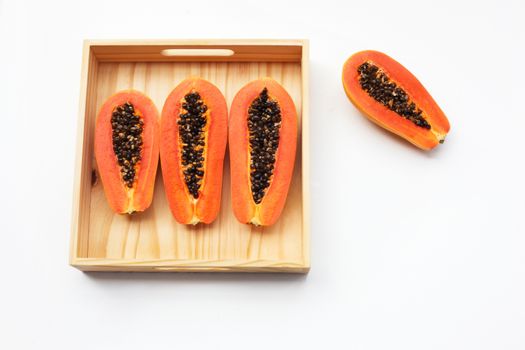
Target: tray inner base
[{"x": 154, "y": 234}]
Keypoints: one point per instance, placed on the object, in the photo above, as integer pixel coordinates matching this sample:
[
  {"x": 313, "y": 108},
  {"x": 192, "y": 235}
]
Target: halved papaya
[
  {"x": 389, "y": 95},
  {"x": 262, "y": 142},
  {"x": 127, "y": 150},
  {"x": 194, "y": 131}
]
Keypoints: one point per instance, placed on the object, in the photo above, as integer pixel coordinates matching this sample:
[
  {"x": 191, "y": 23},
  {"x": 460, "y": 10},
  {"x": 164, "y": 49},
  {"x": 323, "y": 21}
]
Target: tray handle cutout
[
  {"x": 193, "y": 268},
  {"x": 197, "y": 52}
]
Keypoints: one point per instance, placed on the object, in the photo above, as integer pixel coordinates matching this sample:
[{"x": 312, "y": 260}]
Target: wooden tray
[{"x": 153, "y": 240}]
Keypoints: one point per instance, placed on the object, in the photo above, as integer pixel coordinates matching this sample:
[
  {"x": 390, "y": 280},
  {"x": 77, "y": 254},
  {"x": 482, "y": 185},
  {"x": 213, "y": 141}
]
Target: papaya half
[
  {"x": 392, "y": 97},
  {"x": 262, "y": 141},
  {"x": 127, "y": 150},
  {"x": 194, "y": 131}
]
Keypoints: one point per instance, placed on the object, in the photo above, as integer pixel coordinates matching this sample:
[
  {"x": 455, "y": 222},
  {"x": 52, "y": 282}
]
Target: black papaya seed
[{"x": 264, "y": 121}]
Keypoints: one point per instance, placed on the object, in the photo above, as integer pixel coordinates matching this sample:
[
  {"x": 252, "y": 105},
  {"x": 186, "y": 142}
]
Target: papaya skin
[
  {"x": 425, "y": 139},
  {"x": 121, "y": 198},
  {"x": 185, "y": 208},
  {"x": 267, "y": 212}
]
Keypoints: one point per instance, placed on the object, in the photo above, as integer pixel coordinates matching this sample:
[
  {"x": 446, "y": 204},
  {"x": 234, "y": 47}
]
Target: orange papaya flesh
[
  {"x": 392, "y": 97},
  {"x": 194, "y": 131},
  {"x": 262, "y": 141},
  {"x": 127, "y": 150}
]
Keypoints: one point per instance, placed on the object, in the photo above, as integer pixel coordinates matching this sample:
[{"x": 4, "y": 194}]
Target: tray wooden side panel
[
  {"x": 82, "y": 181},
  {"x": 305, "y": 150},
  {"x": 260, "y": 50}
]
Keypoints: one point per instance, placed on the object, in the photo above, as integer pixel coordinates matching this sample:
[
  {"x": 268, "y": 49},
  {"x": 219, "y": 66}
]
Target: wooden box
[{"x": 153, "y": 240}]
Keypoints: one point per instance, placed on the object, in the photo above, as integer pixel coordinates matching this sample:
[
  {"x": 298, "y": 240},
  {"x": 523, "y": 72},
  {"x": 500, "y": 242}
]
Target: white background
[{"x": 410, "y": 250}]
